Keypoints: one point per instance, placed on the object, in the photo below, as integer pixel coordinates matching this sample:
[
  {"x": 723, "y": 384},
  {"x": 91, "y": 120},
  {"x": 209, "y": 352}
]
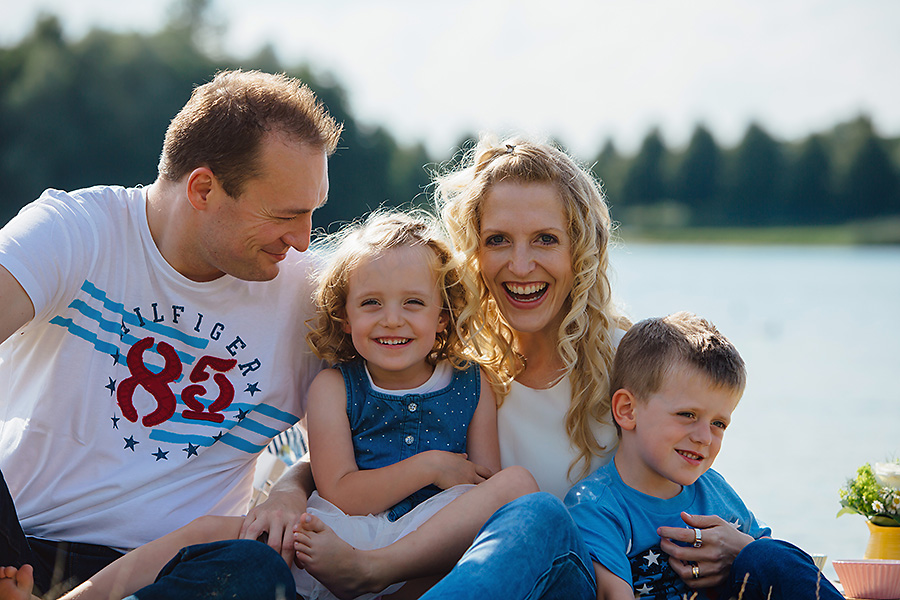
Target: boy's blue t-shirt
[{"x": 619, "y": 523}]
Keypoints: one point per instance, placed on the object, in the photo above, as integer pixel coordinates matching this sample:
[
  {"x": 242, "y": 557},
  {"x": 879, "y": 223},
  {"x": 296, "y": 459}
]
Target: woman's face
[{"x": 526, "y": 255}]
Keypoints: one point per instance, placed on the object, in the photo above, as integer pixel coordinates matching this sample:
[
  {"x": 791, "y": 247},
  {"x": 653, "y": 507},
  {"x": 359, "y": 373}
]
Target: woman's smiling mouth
[{"x": 525, "y": 292}]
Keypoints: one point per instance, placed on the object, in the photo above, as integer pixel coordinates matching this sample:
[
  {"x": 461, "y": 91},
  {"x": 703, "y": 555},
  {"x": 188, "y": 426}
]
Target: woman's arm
[
  {"x": 482, "y": 443},
  {"x": 360, "y": 492}
]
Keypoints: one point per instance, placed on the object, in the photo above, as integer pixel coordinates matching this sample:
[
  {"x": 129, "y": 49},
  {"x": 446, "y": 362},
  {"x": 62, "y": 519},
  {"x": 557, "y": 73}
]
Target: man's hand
[
  {"x": 275, "y": 518},
  {"x": 720, "y": 545}
]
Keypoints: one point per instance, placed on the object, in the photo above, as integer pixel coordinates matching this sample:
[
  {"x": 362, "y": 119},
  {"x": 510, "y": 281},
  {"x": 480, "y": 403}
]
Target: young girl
[
  {"x": 403, "y": 415},
  {"x": 402, "y": 426}
]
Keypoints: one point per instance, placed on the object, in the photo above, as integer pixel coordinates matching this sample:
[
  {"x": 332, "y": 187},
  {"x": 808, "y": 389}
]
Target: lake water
[{"x": 819, "y": 330}]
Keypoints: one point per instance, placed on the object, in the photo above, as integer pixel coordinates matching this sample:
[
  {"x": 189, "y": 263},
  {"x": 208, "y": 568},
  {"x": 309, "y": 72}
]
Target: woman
[{"x": 537, "y": 228}]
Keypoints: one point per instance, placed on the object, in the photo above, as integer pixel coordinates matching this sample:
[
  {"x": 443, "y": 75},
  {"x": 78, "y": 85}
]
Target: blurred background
[{"x": 750, "y": 151}]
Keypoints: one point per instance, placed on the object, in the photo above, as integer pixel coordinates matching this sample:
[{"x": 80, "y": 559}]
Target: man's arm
[
  {"x": 282, "y": 510},
  {"x": 17, "y": 306}
]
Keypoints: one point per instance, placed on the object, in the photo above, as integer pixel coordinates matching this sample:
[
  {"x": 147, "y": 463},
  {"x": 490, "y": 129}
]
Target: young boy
[{"x": 676, "y": 381}]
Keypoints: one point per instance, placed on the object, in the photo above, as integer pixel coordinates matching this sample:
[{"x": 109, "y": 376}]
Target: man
[{"x": 154, "y": 337}]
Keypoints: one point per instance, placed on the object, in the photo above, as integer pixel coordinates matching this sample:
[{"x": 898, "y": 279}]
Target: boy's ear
[{"x": 623, "y": 406}]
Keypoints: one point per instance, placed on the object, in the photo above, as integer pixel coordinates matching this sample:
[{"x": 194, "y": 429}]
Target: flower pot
[{"x": 884, "y": 542}]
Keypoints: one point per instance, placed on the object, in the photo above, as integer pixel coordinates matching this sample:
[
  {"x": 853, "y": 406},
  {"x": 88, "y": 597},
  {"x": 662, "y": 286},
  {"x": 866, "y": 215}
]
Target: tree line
[{"x": 94, "y": 110}]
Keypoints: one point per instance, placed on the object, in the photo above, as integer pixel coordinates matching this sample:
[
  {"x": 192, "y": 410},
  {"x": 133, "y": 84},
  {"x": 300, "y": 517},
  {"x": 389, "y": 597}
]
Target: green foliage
[
  {"x": 697, "y": 179},
  {"x": 645, "y": 180},
  {"x": 872, "y": 186},
  {"x": 808, "y": 186},
  {"x": 610, "y": 168},
  {"x": 865, "y": 496},
  {"x": 95, "y": 110},
  {"x": 755, "y": 181}
]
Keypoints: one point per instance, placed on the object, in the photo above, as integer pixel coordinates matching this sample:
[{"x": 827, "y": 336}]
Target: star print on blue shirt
[{"x": 657, "y": 579}]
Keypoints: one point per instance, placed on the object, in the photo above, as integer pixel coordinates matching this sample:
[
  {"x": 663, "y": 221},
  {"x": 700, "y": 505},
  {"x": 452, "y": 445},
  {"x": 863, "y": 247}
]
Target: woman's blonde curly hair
[
  {"x": 586, "y": 343},
  {"x": 363, "y": 240}
]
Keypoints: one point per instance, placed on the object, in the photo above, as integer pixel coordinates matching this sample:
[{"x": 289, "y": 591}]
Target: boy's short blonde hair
[
  {"x": 362, "y": 241},
  {"x": 655, "y": 347}
]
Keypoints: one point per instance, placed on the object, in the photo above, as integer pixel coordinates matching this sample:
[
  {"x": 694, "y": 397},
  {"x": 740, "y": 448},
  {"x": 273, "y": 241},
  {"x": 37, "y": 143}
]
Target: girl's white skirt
[{"x": 368, "y": 533}]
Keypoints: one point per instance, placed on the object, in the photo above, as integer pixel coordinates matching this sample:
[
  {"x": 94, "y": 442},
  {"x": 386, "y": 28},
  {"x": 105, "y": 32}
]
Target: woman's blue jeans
[
  {"x": 532, "y": 549},
  {"x": 529, "y": 549},
  {"x": 777, "y": 570}
]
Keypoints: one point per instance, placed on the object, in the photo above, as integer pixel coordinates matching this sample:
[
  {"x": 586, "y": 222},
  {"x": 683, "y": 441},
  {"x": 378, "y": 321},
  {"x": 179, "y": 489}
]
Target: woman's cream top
[{"x": 532, "y": 428}]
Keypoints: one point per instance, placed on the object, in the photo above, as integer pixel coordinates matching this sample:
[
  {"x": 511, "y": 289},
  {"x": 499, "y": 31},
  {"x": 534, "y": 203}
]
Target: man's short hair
[
  {"x": 653, "y": 348},
  {"x": 222, "y": 126}
]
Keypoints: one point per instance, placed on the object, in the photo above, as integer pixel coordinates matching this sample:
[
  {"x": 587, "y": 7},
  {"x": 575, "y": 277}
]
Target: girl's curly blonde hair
[
  {"x": 360, "y": 242},
  {"x": 586, "y": 335}
]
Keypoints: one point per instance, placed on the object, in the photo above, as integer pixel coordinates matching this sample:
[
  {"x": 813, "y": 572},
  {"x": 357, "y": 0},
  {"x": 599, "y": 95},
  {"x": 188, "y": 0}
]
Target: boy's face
[{"x": 673, "y": 436}]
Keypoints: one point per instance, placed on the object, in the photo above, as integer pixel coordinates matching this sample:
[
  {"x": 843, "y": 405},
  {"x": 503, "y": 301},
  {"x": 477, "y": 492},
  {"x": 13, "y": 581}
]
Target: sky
[{"x": 582, "y": 72}]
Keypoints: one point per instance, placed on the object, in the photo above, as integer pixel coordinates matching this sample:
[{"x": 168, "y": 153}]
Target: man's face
[{"x": 246, "y": 237}]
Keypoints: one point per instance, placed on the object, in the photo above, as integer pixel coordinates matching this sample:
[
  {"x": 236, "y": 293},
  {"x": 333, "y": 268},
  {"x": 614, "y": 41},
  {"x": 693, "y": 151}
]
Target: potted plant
[{"x": 875, "y": 494}]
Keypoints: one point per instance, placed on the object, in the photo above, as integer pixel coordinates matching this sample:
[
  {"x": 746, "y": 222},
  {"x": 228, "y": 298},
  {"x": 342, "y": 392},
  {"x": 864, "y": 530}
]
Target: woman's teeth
[{"x": 525, "y": 291}]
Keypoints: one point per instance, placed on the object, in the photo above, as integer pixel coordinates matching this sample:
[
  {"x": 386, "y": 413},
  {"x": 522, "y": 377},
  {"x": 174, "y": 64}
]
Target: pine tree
[{"x": 697, "y": 178}]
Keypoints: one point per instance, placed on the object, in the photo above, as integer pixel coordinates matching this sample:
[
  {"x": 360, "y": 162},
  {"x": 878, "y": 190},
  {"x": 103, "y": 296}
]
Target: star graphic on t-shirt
[
  {"x": 191, "y": 450},
  {"x": 253, "y": 388},
  {"x": 115, "y": 357},
  {"x": 644, "y": 590},
  {"x": 123, "y": 331},
  {"x": 651, "y": 558},
  {"x": 218, "y": 436},
  {"x": 130, "y": 442},
  {"x": 115, "y": 421},
  {"x": 111, "y": 386},
  {"x": 242, "y": 414},
  {"x": 160, "y": 455}
]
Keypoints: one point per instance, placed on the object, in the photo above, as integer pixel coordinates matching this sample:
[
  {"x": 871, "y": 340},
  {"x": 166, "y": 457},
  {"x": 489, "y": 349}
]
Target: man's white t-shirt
[{"x": 136, "y": 399}]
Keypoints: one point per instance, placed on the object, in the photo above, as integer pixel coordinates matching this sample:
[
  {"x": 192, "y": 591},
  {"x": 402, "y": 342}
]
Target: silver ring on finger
[
  {"x": 698, "y": 538},
  {"x": 695, "y": 572}
]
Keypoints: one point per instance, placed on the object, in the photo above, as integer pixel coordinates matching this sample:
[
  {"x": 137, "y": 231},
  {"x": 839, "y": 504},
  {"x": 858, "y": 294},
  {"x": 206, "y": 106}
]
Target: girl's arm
[
  {"x": 482, "y": 445},
  {"x": 360, "y": 492}
]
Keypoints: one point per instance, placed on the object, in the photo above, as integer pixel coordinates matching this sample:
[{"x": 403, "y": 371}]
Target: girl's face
[
  {"x": 526, "y": 255},
  {"x": 394, "y": 313}
]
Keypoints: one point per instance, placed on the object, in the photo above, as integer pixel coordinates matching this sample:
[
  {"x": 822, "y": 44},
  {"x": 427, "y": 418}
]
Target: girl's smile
[{"x": 394, "y": 313}]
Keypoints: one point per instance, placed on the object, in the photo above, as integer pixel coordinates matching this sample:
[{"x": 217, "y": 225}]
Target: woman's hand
[
  {"x": 720, "y": 544},
  {"x": 451, "y": 469}
]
